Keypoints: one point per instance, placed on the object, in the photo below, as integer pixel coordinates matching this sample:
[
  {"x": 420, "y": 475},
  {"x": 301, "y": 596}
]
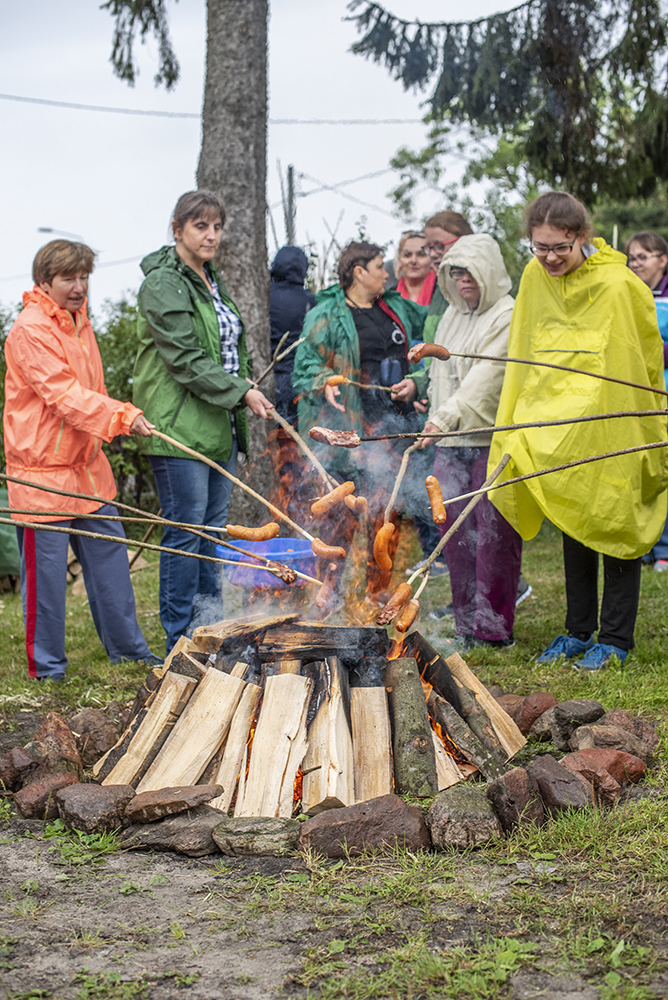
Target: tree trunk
[{"x": 233, "y": 164}]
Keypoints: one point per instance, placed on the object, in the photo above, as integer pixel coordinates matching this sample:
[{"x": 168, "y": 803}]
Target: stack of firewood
[{"x": 283, "y": 713}]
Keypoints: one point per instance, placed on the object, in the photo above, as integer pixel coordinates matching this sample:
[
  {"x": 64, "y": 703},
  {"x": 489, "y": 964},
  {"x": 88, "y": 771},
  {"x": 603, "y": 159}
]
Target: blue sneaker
[
  {"x": 599, "y": 656},
  {"x": 564, "y": 645}
]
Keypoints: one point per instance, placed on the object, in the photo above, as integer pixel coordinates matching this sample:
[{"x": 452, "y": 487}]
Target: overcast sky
[{"x": 113, "y": 179}]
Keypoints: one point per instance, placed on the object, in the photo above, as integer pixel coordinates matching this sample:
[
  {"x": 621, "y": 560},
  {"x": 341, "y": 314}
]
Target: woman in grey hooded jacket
[{"x": 484, "y": 555}]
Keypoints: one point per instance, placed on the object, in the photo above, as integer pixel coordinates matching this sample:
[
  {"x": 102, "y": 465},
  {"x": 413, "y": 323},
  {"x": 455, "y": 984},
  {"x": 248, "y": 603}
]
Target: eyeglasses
[
  {"x": 640, "y": 258},
  {"x": 436, "y": 247},
  {"x": 561, "y": 249},
  {"x": 458, "y": 273}
]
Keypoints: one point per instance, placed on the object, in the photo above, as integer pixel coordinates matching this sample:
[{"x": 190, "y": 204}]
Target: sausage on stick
[{"x": 380, "y": 547}]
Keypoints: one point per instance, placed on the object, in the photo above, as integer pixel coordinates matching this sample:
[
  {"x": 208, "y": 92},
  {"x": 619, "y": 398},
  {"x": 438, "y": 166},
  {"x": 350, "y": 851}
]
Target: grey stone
[
  {"x": 640, "y": 727},
  {"x": 17, "y": 767},
  {"x": 259, "y": 835},
  {"x": 378, "y": 824},
  {"x": 541, "y": 729},
  {"x": 559, "y": 788},
  {"x": 568, "y": 715},
  {"x": 189, "y": 833},
  {"x": 38, "y": 799},
  {"x": 148, "y": 807},
  {"x": 516, "y": 799},
  {"x": 93, "y": 808},
  {"x": 94, "y": 733},
  {"x": 612, "y": 738},
  {"x": 462, "y": 816}
]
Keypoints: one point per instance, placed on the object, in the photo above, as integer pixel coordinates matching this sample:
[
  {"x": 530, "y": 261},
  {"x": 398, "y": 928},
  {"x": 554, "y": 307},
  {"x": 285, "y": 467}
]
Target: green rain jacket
[
  {"x": 179, "y": 380},
  {"x": 331, "y": 347}
]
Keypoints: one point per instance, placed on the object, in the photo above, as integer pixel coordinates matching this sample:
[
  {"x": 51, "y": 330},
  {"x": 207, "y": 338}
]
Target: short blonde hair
[
  {"x": 408, "y": 234},
  {"x": 62, "y": 257}
]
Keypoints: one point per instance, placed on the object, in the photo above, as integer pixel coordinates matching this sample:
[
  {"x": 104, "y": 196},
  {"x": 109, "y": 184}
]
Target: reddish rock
[
  {"x": 511, "y": 703},
  {"x": 189, "y": 833},
  {"x": 532, "y": 708},
  {"x": 94, "y": 733},
  {"x": 516, "y": 799},
  {"x": 378, "y": 824},
  {"x": 568, "y": 715},
  {"x": 93, "y": 808},
  {"x": 606, "y": 789},
  {"x": 55, "y": 745},
  {"x": 612, "y": 738},
  {"x": 559, "y": 788},
  {"x": 624, "y": 767},
  {"x": 16, "y": 768},
  {"x": 641, "y": 728},
  {"x": 147, "y": 807},
  {"x": 462, "y": 816},
  {"x": 38, "y": 799}
]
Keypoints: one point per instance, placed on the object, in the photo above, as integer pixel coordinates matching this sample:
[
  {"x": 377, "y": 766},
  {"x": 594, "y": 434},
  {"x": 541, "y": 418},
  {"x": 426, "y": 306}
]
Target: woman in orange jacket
[{"x": 57, "y": 413}]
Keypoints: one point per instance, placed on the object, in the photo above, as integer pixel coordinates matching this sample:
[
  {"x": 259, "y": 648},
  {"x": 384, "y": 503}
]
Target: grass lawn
[{"x": 578, "y": 907}]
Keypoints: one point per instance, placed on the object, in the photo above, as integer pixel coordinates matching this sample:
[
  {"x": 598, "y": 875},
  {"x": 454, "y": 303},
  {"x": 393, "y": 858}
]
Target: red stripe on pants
[{"x": 31, "y": 597}]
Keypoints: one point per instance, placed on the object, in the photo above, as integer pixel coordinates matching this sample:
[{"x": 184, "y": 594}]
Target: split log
[
  {"x": 235, "y": 746},
  {"x": 197, "y": 735},
  {"x": 478, "y": 720},
  {"x": 233, "y": 633},
  {"x": 287, "y": 666},
  {"x": 240, "y": 669},
  {"x": 460, "y": 733},
  {"x": 241, "y": 789},
  {"x": 328, "y": 781},
  {"x": 447, "y": 769},
  {"x": 182, "y": 645},
  {"x": 505, "y": 728},
  {"x": 279, "y": 745},
  {"x": 188, "y": 666},
  {"x": 151, "y": 684},
  {"x": 412, "y": 744},
  {"x": 433, "y": 668},
  {"x": 315, "y": 640},
  {"x": 372, "y": 751},
  {"x": 147, "y": 732}
]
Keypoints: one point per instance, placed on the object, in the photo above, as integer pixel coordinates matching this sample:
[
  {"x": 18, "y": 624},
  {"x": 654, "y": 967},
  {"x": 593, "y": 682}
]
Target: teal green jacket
[
  {"x": 179, "y": 380},
  {"x": 331, "y": 347}
]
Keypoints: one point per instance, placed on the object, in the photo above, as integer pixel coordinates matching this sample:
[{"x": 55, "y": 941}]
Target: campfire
[{"x": 291, "y": 716}]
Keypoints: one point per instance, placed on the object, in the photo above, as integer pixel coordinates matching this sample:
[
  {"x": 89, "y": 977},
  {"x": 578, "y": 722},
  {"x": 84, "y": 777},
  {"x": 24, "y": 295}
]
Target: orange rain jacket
[{"x": 57, "y": 410}]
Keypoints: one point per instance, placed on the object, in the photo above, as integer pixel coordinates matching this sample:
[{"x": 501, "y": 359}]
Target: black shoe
[
  {"x": 475, "y": 643},
  {"x": 524, "y": 590},
  {"x": 438, "y": 614}
]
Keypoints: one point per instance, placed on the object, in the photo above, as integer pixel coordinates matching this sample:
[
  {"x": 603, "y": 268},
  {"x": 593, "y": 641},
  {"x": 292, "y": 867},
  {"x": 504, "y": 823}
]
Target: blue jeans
[{"x": 191, "y": 590}]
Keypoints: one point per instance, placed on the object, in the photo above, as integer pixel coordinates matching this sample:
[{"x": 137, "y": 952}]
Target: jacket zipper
[{"x": 60, "y": 436}]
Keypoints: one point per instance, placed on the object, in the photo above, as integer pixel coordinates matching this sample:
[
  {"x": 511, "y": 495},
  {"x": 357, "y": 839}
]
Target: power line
[
  {"x": 191, "y": 114},
  {"x": 108, "y": 263}
]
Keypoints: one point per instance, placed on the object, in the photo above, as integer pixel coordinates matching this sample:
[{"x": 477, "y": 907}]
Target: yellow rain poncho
[{"x": 600, "y": 318}]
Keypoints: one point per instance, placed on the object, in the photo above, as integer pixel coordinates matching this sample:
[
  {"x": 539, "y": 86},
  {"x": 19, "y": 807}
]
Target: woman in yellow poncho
[{"x": 579, "y": 306}]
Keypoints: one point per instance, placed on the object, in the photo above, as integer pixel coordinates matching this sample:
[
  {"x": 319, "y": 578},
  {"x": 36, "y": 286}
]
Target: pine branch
[{"x": 141, "y": 16}]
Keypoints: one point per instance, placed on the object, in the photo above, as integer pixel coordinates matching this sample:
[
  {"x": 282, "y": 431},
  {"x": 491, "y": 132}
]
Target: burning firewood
[
  {"x": 467, "y": 742},
  {"x": 510, "y": 737},
  {"x": 413, "y": 748},
  {"x": 230, "y": 765},
  {"x": 328, "y": 781},
  {"x": 338, "y": 439},
  {"x": 447, "y": 771}
]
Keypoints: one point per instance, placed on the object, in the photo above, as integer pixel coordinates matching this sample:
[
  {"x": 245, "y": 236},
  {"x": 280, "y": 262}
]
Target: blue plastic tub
[{"x": 294, "y": 552}]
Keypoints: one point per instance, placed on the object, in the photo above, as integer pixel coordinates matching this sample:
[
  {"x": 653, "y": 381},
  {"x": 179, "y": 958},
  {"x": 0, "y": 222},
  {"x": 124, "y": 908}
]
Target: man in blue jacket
[{"x": 289, "y": 302}]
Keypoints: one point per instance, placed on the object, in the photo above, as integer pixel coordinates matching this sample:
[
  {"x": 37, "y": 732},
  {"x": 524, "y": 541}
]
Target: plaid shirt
[{"x": 230, "y": 330}]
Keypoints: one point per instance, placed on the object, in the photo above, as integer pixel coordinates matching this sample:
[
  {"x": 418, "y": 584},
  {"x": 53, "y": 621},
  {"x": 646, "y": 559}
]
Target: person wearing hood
[
  {"x": 289, "y": 302},
  {"x": 57, "y": 414},
  {"x": 580, "y": 306},
  {"x": 484, "y": 556},
  {"x": 191, "y": 378}
]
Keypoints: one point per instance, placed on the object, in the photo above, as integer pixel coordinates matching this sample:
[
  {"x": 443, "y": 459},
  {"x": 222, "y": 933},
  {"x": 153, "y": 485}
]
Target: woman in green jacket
[
  {"x": 191, "y": 376},
  {"x": 362, "y": 332}
]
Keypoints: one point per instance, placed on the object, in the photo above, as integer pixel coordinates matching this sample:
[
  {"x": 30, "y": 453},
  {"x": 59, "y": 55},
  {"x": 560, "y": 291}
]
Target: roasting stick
[
  {"x": 279, "y": 357},
  {"x": 328, "y": 480},
  {"x": 247, "y": 489},
  {"x": 397, "y": 485},
  {"x": 475, "y": 499}
]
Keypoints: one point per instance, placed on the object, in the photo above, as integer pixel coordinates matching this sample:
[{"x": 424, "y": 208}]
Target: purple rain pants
[{"x": 484, "y": 555}]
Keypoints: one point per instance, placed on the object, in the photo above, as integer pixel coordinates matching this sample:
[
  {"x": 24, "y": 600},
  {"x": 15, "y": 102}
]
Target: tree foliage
[
  {"x": 141, "y": 17},
  {"x": 580, "y": 84}
]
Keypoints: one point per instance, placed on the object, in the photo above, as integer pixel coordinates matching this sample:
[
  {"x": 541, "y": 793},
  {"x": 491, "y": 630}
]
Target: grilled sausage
[
  {"x": 380, "y": 545},
  {"x": 336, "y": 380},
  {"x": 327, "y": 586},
  {"x": 438, "y": 511},
  {"x": 361, "y": 505},
  {"x": 395, "y": 604},
  {"x": 420, "y": 351},
  {"x": 335, "y": 496},
  {"x": 327, "y": 551},
  {"x": 338, "y": 439},
  {"x": 407, "y": 616},
  {"x": 263, "y": 534},
  {"x": 350, "y": 502}
]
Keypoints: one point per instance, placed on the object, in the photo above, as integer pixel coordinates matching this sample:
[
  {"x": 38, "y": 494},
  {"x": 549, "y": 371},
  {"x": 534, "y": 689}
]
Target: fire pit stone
[
  {"x": 262, "y": 836},
  {"x": 148, "y": 807},
  {"x": 516, "y": 799},
  {"x": 612, "y": 738},
  {"x": 93, "y": 808},
  {"x": 462, "y": 816},
  {"x": 560, "y": 788},
  {"x": 189, "y": 833},
  {"x": 377, "y": 824}
]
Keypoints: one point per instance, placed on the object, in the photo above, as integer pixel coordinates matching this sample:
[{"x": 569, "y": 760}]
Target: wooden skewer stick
[
  {"x": 279, "y": 357},
  {"x": 40, "y": 526},
  {"x": 233, "y": 479},
  {"x": 328, "y": 480},
  {"x": 397, "y": 485},
  {"x": 520, "y": 427},
  {"x": 147, "y": 534},
  {"x": 476, "y": 497}
]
